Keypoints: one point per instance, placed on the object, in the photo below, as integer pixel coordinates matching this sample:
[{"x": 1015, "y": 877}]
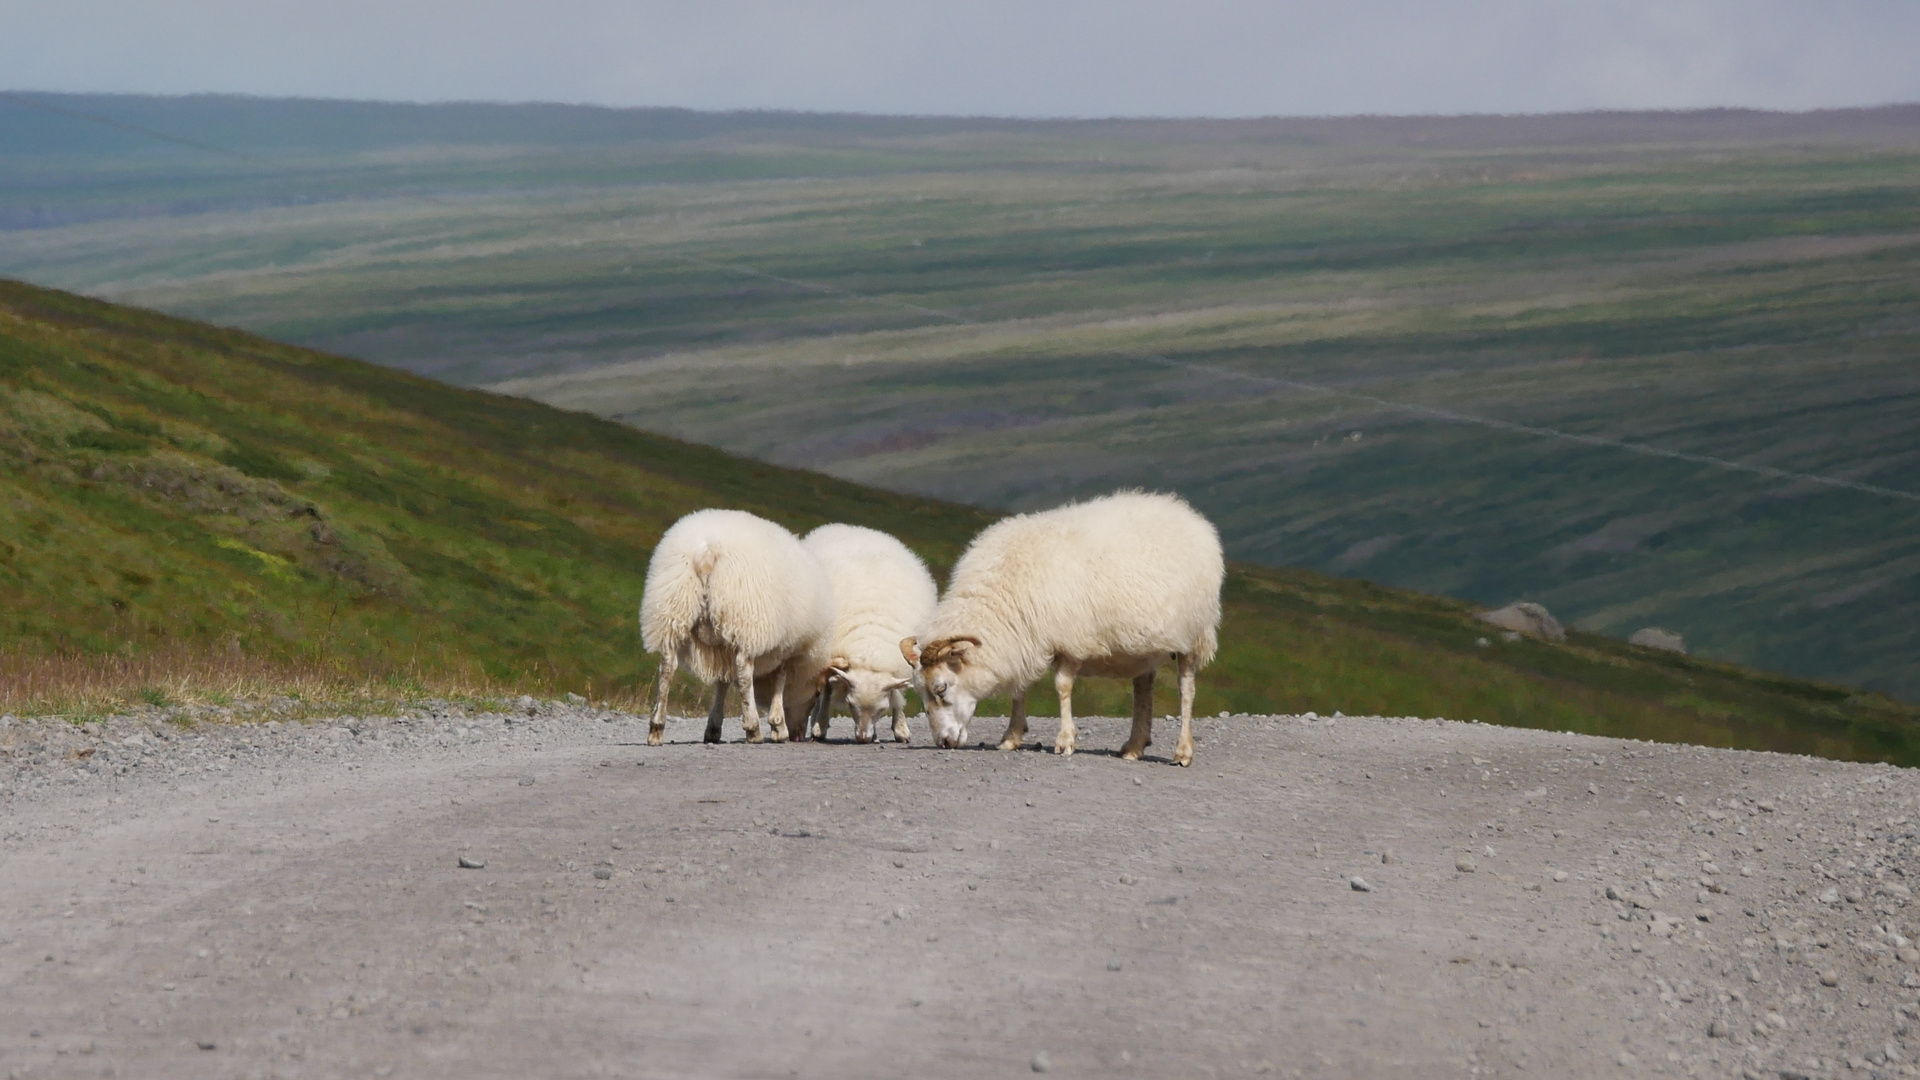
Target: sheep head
[
  {"x": 950, "y": 704},
  {"x": 868, "y": 693}
]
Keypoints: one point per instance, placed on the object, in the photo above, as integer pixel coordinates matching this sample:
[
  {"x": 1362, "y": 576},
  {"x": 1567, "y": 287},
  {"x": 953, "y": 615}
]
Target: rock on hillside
[
  {"x": 1526, "y": 617},
  {"x": 1653, "y": 637}
]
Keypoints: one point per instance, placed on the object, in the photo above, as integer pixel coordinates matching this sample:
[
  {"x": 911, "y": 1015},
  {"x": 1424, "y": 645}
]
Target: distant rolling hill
[
  {"x": 1646, "y": 368},
  {"x": 169, "y": 485}
]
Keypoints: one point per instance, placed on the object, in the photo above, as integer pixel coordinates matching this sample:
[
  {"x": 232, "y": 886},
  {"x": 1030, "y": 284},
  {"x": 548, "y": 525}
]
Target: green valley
[
  {"x": 1647, "y": 369},
  {"x": 167, "y": 485}
]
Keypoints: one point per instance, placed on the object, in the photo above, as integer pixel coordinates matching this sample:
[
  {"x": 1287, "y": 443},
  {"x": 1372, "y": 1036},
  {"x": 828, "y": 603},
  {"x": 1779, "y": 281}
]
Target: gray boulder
[
  {"x": 1526, "y": 617},
  {"x": 1653, "y": 637}
]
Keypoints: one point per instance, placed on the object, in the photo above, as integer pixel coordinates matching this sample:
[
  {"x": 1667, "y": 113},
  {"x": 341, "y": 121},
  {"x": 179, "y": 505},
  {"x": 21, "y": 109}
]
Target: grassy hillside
[
  {"x": 1346, "y": 339},
  {"x": 168, "y": 488}
]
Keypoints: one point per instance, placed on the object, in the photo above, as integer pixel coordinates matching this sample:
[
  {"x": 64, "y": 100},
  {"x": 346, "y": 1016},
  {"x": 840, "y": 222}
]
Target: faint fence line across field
[{"x": 1430, "y": 411}]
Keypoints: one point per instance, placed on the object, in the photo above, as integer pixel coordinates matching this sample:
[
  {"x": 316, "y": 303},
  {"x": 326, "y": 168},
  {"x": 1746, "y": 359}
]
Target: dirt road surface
[{"x": 259, "y": 900}]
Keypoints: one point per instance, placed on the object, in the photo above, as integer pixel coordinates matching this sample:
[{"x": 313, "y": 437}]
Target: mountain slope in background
[
  {"x": 1408, "y": 349},
  {"x": 166, "y": 485}
]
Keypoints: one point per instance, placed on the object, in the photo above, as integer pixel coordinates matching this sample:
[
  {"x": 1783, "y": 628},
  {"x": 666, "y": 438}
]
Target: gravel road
[{"x": 1315, "y": 897}]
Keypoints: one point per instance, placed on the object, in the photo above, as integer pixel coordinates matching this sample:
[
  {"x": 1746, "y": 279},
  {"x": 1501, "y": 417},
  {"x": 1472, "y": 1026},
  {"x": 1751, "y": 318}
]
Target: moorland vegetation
[
  {"x": 1412, "y": 350},
  {"x": 181, "y": 502}
]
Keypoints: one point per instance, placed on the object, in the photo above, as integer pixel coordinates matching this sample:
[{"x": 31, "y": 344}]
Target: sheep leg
[
  {"x": 1142, "y": 717},
  {"x": 1183, "y": 750},
  {"x": 1063, "y": 674},
  {"x": 825, "y": 716},
  {"x": 656, "y": 731},
  {"x": 1016, "y": 723},
  {"x": 749, "y": 712},
  {"x": 777, "y": 708},
  {"x": 816, "y": 719},
  {"x": 718, "y": 711},
  {"x": 900, "y": 732}
]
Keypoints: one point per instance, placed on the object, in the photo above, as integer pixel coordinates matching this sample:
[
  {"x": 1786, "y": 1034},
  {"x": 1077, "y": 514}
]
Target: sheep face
[
  {"x": 950, "y": 700},
  {"x": 869, "y": 696}
]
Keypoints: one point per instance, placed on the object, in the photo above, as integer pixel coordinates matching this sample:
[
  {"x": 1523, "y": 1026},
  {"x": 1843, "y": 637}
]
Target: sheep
[
  {"x": 881, "y": 591},
  {"x": 1103, "y": 587},
  {"x": 731, "y": 596}
]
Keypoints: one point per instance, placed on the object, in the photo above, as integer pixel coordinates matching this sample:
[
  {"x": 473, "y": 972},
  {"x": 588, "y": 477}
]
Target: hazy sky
[{"x": 1025, "y": 58}]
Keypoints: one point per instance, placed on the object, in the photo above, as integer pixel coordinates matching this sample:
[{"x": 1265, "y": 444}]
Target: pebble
[
  {"x": 1359, "y": 884},
  {"x": 1041, "y": 1062},
  {"x": 468, "y": 862},
  {"x": 1718, "y": 1029},
  {"x": 604, "y": 874},
  {"x": 1465, "y": 864},
  {"x": 1113, "y": 965},
  {"x": 1829, "y": 978},
  {"x": 526, "y": 781},
  {"x": 1559, "y": 875}
]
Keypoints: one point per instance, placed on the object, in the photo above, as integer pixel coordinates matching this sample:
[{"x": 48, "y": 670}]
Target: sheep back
[
  {"x": 1127, "y": 575},
  {"x": 882, "y": 592},
  {"x": 722, "y": 582}
]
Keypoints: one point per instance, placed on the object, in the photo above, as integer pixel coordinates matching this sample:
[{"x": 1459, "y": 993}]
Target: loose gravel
[{"x": 185, "y": 895}]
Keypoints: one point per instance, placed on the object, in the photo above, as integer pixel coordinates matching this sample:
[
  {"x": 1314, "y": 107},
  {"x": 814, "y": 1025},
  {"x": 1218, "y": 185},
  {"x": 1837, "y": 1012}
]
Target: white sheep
[
  {"x": 881, "y": 592},
  {"x": 731, "y": 596},
  {"x": 1104, "y": 587}
]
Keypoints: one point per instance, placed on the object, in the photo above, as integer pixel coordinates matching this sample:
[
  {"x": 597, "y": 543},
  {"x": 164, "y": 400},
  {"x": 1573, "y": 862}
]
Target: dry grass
[{"x": 80, "y": 686}]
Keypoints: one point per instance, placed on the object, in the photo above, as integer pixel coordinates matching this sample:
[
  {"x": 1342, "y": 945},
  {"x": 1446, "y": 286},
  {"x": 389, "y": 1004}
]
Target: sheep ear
[
  {"x": 838, "y": 662},
  {"x": 958, "y": 646},
  {"x": 898, "y": 684},
  {"x": 841, "y": 674},
  {"x": 907, "y": 650}
]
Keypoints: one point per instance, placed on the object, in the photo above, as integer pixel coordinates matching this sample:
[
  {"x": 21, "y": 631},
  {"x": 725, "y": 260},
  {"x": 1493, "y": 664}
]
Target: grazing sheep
[
  {"x": 881, "y": 592},
  {"x": 731, "y": 596},
  {"x": 1105, "y": 587}
]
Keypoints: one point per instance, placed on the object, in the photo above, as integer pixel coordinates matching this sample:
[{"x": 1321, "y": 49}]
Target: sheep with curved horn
[{"x": 1105, "y": 587}]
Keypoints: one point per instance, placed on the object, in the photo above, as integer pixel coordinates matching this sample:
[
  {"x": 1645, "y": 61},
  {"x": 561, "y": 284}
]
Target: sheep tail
[{"x": 704, "y": 560}]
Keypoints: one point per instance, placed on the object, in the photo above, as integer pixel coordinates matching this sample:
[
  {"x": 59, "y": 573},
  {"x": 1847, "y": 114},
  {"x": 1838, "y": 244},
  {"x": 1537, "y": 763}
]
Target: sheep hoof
[
  {"x": 1130, "y": 754},
  {"x": 655, "y": 738},
  {"x": 754, "y": 736},
  {"x": 1064, "y": 750},
  {"x": 1009, "y": 744}
]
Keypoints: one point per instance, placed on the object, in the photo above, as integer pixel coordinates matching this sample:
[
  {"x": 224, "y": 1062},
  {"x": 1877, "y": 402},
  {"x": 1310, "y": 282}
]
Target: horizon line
[{"x": 1598, "y": 111}]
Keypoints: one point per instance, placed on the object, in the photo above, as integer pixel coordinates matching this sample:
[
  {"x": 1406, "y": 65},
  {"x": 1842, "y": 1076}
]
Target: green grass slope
[{"x": 168, "y": 485}]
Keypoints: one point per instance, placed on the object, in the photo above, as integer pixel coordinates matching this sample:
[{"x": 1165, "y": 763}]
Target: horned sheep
[
  {"x": 731, "y": 596},
  {"x": 1104, "y": 587},
  {"x": 881, "y": 592}
]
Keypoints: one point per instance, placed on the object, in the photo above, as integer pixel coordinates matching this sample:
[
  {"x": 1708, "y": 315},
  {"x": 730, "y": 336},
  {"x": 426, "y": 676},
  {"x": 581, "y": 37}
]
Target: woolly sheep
[
  {"x": 1104, "y": 587},
  {"x": 731, "y": 596},
  {"x": 881, "y": 592}
]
